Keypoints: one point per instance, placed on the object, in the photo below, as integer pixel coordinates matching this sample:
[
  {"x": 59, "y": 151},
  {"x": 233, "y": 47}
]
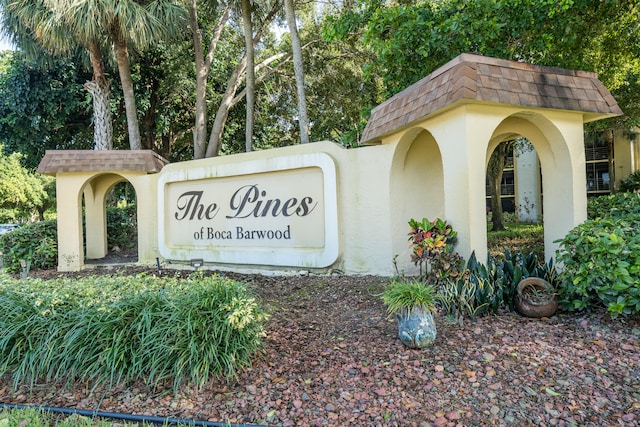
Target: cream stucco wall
[
  {"x": 434, "y": 168},
  {"x": 74, "y": 188}
]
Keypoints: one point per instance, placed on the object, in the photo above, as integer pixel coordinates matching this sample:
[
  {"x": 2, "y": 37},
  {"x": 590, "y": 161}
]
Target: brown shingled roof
[
  {"x": 56, "y": 161},
  {"x": 481, "y": 78}
]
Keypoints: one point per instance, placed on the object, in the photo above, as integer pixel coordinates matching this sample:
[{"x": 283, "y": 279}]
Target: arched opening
[
  {"x": 557, "y": 171},
  {"x": 417, "y": 171},
  {"x": 109, "y": 220},
  {"x": 514, "y": 199}
]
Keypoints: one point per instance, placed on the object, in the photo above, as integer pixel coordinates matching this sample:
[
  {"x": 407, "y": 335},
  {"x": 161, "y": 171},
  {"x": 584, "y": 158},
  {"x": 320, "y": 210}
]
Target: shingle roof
[
  {"x": 481, "y": 78},
  {"x": 55, "y": 161}
]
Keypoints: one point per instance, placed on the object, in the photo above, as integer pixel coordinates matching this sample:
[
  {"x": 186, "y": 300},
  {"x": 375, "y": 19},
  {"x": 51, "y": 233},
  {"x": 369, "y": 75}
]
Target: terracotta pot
[
  {"x": 535, "y": 297},
  {"x": 416, "y": 329}
]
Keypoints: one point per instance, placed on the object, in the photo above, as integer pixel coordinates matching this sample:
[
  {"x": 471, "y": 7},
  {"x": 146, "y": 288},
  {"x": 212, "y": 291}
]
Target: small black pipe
[{"x": 128, "y": 417}]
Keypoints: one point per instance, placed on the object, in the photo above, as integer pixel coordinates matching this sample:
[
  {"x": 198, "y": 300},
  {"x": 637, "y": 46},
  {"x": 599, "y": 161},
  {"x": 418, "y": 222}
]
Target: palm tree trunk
[
  {"x": 99, "y": 90},
  {"x": 124, "y": 70},
  {"x": 251, "y": 89},
  {"x": 299, "y": 71}
]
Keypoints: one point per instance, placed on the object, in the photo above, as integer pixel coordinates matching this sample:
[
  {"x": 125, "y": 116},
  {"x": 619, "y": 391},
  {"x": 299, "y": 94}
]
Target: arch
[
  {"x": 417, "y": 170},
  {"x": 95, "y": 192},
  {"x": 562, "y": 167}
]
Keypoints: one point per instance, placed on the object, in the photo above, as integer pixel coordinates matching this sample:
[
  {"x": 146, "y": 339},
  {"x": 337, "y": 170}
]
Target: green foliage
[
  {"x": 432, "y": 242},
  {"x": 43, "y": 108},
  {"x": 631, "y": 183},
  {"x": 485, "y": 289},
  {"x": 122, "y": 226},
  {"x": 411, "y": 39},
  {"x": 22, "y": 193},
  {"x": 477, "y": 291},
  {"x": 613, "y": 206},
  {"x": 111, "y": 330},
  {"x": 408, "y": 294},
  {"x": 518, "y": 236},
  {"x": 36, "y": 243},
  {"x": 601, "y": 265},
  {"x": 33, "y": 417}
]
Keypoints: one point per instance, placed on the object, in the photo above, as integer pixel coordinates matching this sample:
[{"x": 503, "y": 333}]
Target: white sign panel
[{"x": 279, "y": 211}]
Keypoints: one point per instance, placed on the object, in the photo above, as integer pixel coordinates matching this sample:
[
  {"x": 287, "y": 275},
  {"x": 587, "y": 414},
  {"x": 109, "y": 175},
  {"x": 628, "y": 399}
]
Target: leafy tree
[
  {"x": 43, "y": 108},
  {"x": 494, "y": 173},
  {"x": 22, "y": 193},
  {"x": 411, "y": 40}
]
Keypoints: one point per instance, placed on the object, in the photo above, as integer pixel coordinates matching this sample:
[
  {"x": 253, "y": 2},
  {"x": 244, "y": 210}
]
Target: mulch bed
[{"x": 332, "y": 358}]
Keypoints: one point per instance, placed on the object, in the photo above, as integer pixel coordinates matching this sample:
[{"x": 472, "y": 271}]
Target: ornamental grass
[{"x": 117, "y": 329}]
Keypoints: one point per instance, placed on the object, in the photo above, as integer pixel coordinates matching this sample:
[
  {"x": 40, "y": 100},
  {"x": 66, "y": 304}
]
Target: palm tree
[
  {"x": 33, "y": 25},
  {"x": 125, "y": 23}
]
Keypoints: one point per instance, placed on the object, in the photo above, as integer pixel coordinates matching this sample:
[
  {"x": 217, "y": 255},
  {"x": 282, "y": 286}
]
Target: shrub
[
  {"x": 36, "y": 243},
  {"x": 117, "y": 329},
  {"x": 613, "y": 206},
  {"x": 601, "y": 265},
  {"x": 631, "y": 183},
  {"x": 432, "y": 243},
  {"x": 122, "y": 227}
]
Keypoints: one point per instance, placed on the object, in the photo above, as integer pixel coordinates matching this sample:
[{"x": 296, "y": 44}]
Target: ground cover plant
[
  {"x": 331, "y": 357},
  {"x": 522, "y": 237},
  {"x": 31, "y": 417},
  {"x": 106, "y": 330}
]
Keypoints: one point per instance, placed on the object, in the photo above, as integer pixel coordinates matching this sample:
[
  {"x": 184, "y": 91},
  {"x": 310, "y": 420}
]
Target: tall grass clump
[{"x": 117, "y": 329}]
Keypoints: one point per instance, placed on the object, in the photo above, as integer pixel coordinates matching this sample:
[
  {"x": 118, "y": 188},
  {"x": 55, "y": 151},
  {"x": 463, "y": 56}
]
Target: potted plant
[
  {"x": 413, "y": 303},
  {"x": 535, "y": 297}
]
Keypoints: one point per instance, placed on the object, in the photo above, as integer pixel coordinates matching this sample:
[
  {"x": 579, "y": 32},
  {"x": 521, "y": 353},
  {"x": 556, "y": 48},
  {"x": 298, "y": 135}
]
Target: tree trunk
[
  {"x": 223, "y": 109},
  {"x": 124, "y": 70},
  {"x": 251, "y": 84},
  {"x": 200, "y": 128},
  {"x": 494, "y": 173},
  {"x": 99, "y": 90},
  {"x": 229, "y": 98},
  {"x": 299, "y": 71}
]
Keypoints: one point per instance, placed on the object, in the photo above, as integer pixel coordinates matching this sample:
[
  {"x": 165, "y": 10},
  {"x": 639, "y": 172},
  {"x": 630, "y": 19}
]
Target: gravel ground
[{"x": 332, "y": 358}]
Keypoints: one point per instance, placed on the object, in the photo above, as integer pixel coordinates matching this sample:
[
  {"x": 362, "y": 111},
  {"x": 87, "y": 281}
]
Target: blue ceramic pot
[{"x": 416, "y": 329}]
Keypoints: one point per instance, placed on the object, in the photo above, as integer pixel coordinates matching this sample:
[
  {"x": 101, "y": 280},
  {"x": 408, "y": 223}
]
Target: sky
[{"x": 4, "y": 45}]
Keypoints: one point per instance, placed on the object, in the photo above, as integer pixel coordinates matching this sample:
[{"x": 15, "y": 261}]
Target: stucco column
[
  {"x": 463, "y": 140},
  {"x": 146, "y": 188},
  {"x": 96, "y": 222},
  {"x": 69, "y": 209},
  {"x": 564, "y": 183}
]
